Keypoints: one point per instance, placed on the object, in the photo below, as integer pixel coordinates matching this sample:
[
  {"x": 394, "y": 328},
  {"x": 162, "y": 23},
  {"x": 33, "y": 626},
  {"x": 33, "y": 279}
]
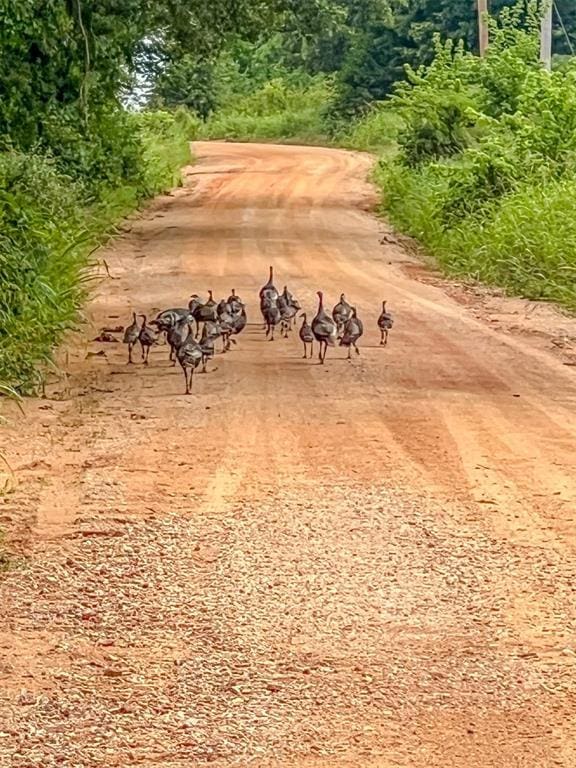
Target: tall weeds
[
  {"x": 276, "y": 110},
  {"x": 49, "y": 222}
]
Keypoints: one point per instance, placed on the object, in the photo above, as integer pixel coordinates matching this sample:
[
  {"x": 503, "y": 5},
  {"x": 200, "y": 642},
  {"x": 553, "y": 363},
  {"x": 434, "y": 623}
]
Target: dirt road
[{"x": 364, "y": 564}]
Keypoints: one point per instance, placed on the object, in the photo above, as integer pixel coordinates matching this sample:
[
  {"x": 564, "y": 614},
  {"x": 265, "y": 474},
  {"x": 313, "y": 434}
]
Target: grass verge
[{"x": 49, "y": 224}]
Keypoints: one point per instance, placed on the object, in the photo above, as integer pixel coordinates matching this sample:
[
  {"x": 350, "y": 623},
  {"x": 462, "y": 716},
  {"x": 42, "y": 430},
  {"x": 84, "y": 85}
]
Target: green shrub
[
  {"x": 165, "y": 138},
  {"x": 527, "y": 243},
  {"x": 41, "y": 269},
  {"x": 485, "y": 174},
  {"x": 277, "y": 110},
  {"x": 377, "y": 130}
]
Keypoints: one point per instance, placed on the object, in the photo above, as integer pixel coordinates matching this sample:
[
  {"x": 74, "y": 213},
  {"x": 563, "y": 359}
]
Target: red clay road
[{"x": 359, "y": 564}]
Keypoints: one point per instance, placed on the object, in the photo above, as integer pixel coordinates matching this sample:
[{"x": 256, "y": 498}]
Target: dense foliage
[
  {"x": 364, "y": 44},
  {"x": 486, "y": 169}
]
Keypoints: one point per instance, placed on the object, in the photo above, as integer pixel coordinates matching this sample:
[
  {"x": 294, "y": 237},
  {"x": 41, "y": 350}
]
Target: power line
[{"x": 570, "y": 46}]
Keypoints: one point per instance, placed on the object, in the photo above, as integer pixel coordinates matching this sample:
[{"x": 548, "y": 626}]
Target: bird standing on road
[
  {"x": 268, "y": 290},
  {"x": 189, "y": 356},
  {"x": 351, "y": 333},
  {"x": 271, "y": 314},
  {"x": 323, "y": 328},
  {"x": 177, "y": 335},
  {"x": 385, "y": 323},
  {"x": 204, "y": 313},
  {"x": 287, "y": 314},
  {"x": 210, "y": 332},
  {"x": 131, "y": 335},
  {"x": 341, "y": 313},
  {"x": 147, "y": 339},
  {"x": 235, "y": 302},
  {"x": 306, "y": 336},
  {"x": 291, "y": 301}
]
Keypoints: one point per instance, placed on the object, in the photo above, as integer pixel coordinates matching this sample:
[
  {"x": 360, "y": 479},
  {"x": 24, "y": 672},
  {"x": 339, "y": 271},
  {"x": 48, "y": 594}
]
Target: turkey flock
[{"x": 191, "y": 332}]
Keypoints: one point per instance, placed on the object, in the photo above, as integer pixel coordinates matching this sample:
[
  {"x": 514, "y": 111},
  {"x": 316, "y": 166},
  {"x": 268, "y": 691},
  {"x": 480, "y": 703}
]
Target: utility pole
[
  {"x": 483, "y": 25},
  {"x": 546, "y": 36}
]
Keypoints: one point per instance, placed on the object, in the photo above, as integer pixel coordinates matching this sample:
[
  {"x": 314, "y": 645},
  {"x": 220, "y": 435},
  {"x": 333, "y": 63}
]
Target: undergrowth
[
  {"x": 276, "y": 110},
  {"x": 485, "y": 173},
  {"x": 50, "y": 221},
  {"x": 375, "y": 131}
]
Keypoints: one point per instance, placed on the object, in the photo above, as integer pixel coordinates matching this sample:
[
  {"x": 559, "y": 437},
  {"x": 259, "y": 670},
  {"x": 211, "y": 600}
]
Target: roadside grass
[
  {"x": 376, "y": 131},
  {"x": 276, "y": 111},
  {"x": 50, "y": 222}
]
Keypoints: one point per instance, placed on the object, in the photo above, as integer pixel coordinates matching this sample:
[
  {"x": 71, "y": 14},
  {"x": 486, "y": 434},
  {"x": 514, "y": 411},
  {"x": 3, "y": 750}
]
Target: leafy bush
[
  {"x": 485, "y": 174},
  {"x": 41, "y": 267},
  {"x": 377, "y": 130},
  {"x": 165, "y": 138},
  {"x": 277, "y": 110}
]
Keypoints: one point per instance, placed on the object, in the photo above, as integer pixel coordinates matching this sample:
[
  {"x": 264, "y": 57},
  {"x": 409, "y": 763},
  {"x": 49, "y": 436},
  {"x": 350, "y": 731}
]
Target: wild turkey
[
  {"x": 287, "y": 314},
  {"x": 235, "y": 302},
  {"x": 385, "y": 323},
  {"x": 268, "y": 289},
  {"x": 147, "y": 339},
  {"x": 351, "y": 333},
  {"x": 210, "y": 332},
  {"x": 292, "y": 301},
  {"x": 239, "y": 320},
  {"x": 203, "y": 312},
  {"x": 196, "y": 301},
  {"x": 169, "y": 317},
  {"x": 177, "y": 335},
  {"x": 131, "y": 335},
  {"x": 231, "y": 324},
  {"x": 306, "y": 336},
  {"x": 189, "y": 356},
  {"x": 209, "y": 306},
  {"x": 272, "y": 316},
  {"x": 166, "y": 320},
  {"x": 341, "y": 313},
  {"x": 323, "y": 328}
]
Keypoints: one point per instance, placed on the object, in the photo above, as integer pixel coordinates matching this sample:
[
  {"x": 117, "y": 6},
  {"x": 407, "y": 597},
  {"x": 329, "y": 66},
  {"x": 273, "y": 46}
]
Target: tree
[
  {"x": 78, "y": 54},
  {"x": 405, "y": 37}
]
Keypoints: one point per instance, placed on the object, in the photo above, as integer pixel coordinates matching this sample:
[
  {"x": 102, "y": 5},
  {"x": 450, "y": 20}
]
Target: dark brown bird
[
  {"x": 306, "y": 337},
  {"x": 341, "y": 313},
  {"x": 353, "y": 330},
  {"x": 287, "y": 315},
  {"x": 189, "y": 356},
  {"x": 235, "y": 302},
  {"x": 203, "y": 313},
  {"x": 131, "y": 335},
  {"x": 323, "y": 328},
  {"x": 147, "y": 339},
  {"x": 177, "y": 335},
  {"x": 271, "y": 314},
  {"x": 268, "y": 289},
  {"x": 385, "y": 323},
  {"x": 292, "y": 301},
  {"x": 210, "y": 332}
]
